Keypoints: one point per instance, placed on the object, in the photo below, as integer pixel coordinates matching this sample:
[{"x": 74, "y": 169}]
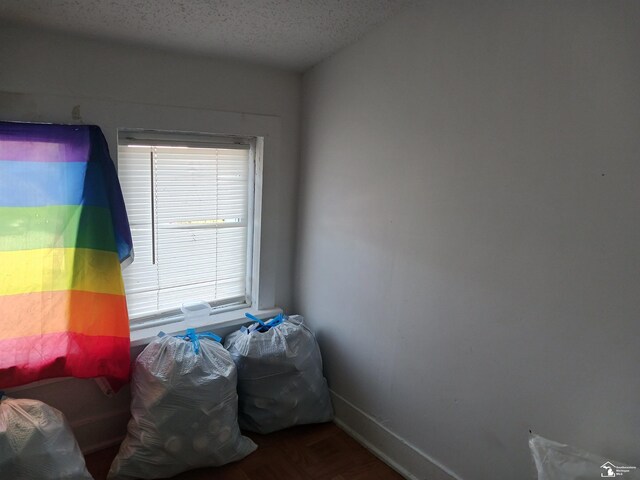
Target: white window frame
[{"x": 254, "y": 220}]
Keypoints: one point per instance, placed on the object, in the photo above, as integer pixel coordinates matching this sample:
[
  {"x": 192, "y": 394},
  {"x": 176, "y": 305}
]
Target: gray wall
[{"x": 469, "y": 234}]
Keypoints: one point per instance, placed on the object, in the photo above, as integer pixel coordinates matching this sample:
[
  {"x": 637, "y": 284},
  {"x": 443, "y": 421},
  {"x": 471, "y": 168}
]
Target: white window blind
[{"x": 188, "y": 211}]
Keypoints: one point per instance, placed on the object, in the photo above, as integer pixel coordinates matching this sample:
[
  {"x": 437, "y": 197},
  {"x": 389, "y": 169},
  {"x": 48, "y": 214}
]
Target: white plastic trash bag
[
  {"x": 556, "y": 461},
  {"x": 37, "y": 443},
  {"x": 280, "y": 381},
  {"x": 184, "y": 409}
]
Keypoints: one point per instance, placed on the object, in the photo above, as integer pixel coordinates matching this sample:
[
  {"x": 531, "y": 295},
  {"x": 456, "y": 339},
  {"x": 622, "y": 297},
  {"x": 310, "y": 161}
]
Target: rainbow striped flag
[{"x": 63, "y": 235}]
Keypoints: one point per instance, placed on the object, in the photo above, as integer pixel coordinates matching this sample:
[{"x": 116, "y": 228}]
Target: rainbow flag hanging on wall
[{"x": 63, "y": 235}]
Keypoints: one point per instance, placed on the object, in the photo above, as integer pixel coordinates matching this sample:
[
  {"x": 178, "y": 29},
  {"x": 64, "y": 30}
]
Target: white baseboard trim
[
  {"x": 96, "y": 447},
  {"x": 100, "y": 431},
  {"x": 405, "y": 458}
]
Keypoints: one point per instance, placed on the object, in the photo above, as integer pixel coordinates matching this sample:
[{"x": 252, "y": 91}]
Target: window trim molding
[
  {"x": 265, "y": 129},
  {"x": 254, "y": 232},
  {"x": 222, "y": 322}
]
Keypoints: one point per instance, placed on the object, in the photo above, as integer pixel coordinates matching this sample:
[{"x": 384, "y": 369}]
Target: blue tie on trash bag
[
  {"x": 265, "y": 326},
  {"x": 194, "y": 338}
]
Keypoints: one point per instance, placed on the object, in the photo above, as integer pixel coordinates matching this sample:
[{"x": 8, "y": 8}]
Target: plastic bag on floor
[
  {"x": 184, "y": 410},
  {"x": 280, "y": 381},
  {"x": 36, "y": 442},
  {"x": 556, "y": 461}
]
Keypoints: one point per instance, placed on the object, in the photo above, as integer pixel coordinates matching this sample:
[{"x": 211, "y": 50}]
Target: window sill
[{"x": 221, "y": 323}]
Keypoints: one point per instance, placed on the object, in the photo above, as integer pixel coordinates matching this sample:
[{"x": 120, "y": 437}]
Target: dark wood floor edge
[{"x": 384, "y": 458}]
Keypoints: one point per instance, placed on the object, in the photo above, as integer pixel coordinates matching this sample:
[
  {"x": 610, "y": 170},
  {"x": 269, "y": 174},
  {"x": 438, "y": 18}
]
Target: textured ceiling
[{"x": 293, "y": 34}]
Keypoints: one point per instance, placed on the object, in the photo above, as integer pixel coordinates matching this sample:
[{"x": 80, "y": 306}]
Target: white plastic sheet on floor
[
  {"x": 280, "y": 380},
  {"x": 556, "y": 461},
  {"x": 37, "y": 443},
  {"x": 184, "y": 410}
]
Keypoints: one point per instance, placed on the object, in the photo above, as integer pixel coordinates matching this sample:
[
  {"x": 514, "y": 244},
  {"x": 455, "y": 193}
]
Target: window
[{"x": 189, "y": 199}]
